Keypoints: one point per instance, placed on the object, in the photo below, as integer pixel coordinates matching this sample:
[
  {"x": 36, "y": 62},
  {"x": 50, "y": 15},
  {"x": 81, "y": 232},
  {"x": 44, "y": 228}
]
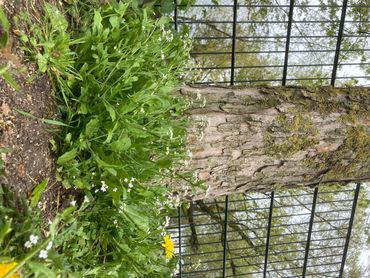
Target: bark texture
[{"x": 259, "y": 139}]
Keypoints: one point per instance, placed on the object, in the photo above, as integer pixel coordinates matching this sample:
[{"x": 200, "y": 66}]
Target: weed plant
[{"x": 114, "y": 68}]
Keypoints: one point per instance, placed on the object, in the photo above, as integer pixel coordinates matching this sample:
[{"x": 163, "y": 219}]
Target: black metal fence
[
  {"x": 286, "y": 234},
  {"x": 279, "y": 42}
]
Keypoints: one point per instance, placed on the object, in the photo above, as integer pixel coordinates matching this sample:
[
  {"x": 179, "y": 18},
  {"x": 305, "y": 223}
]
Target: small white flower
[
  {"x": 50, "y": 244},
  {"x": 104, "y": 186},
  {"x": 115, "y": 222},
  {"x": 167, "y": 222},
  {"x": 132, "y": 179},
  {"x": 86, "y": 199},
  {"x": 128, "y": 190},
  {"x": 28, "y": 244},
  {"x": 43, "y": 254},
  {"x": 114, "y": 189},
  {"x": 34, "y": 239},
  {"x": 125, "y": 180},
  {"x": 142, "y": 110},
  {"x": 162, "y": 55},
  {"x": 130, "y": 185},
  {"x": 73, "y": 203},
  {"x": 96, "y": 190}
]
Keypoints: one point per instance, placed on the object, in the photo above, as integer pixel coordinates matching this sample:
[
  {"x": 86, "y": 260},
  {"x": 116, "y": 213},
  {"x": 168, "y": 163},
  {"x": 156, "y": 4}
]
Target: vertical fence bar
[
  {"x": 180, "y": 240},
  {"x": 350, "y": 225},
  {"x": 339, "y": 42},
  {"x": 225, "y": 236},
  {"x": 289, "y": 30},
  {"x": 268, "y": 235},
  {"x": 310, "y": 231},
  {"x": 175, "y": 14},
  {"x": 235, "y": 17}
]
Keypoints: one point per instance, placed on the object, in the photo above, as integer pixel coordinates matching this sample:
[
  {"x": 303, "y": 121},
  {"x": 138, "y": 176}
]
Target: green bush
[{"x": 114, "y": 67}]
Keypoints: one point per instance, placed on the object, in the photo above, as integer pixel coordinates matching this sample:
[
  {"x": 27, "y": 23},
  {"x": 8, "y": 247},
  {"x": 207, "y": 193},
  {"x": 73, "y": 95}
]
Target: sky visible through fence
[
  {"x": 286, "y": 234},
  {"x": 279, "y": 42},
  {"x": 300, "y": 233}
]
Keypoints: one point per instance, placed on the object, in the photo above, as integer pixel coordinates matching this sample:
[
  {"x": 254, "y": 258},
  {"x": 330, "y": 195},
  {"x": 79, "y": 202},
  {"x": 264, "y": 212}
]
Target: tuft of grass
[{"x": 114, "y": 67}]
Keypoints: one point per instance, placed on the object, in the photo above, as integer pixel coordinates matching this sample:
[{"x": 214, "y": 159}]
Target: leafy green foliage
[{"x": 115, "y": 68}]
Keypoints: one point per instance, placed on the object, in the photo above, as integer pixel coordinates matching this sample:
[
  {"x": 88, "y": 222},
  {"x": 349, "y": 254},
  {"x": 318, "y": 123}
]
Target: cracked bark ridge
[{"x": 260, "y": 139}]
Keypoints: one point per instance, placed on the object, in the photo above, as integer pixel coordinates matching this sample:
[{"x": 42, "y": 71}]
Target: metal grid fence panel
[
  {"x": 288, "y": 42},
  {"x": 281, "y": 42},
  {"x": 286, "y": 234}
]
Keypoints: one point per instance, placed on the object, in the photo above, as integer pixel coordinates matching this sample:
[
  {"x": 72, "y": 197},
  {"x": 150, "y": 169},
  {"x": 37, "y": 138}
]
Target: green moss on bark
[{"x": 289, "y": 135}]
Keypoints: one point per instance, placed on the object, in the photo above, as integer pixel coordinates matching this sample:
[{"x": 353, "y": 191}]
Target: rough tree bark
[{"x": 259, "y": 139}]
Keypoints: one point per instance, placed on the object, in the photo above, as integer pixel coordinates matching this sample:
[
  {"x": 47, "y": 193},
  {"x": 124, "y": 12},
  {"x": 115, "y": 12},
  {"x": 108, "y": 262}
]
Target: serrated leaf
[
  {"x": 37, "y": 192},
  {"x": 67, "y": 156}
]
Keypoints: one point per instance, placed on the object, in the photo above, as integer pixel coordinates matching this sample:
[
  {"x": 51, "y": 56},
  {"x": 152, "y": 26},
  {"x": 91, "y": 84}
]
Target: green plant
[
  {"x": 4, "y": 28},
  {"x": 123, "y": 135}
]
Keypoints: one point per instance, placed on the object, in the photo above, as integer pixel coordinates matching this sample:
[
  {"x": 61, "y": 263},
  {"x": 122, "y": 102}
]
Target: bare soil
[{"x": 30, "y": 158}]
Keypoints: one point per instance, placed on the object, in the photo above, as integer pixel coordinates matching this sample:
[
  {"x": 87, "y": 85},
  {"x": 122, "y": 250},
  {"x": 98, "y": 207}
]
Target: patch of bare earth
[{"x": 30, "y": 159}]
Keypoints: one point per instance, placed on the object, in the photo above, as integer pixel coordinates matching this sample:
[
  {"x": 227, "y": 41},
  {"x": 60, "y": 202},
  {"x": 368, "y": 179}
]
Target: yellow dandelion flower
[
  {"x": 5, "y": 268},
  {"x": 168, "y": 246}
]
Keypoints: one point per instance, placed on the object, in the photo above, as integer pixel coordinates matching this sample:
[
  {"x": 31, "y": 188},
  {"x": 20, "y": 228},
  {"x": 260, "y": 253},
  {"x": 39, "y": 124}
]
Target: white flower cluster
[
  {"x": 121, "y": 208},
  {"x": 44, "y": 253},
  {"x": 130, "y": 185},
  {"x": 32, "y": 241},
  {"x": 167, "y": 35},
  {"x": 104, "y": 186}
]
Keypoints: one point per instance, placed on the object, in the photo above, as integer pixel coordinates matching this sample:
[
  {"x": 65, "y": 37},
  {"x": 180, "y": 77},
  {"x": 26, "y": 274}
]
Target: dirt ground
[{"x": 30, "y": 158}]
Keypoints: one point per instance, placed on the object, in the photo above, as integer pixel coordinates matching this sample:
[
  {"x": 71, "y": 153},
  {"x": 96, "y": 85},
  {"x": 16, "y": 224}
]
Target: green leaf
[
  {"x": 97, "y": 25},
  {"x": 110, "y": 110},
  {"x": 114, "y": 21},
  {"x": 5, "y": 229},
  {"x": 121, "y": 144},
  {"x": 40, "y": 270},
  {"x": 67, "y": 156},
  {"x": 136, "y": 217},
  {"x": 37, "y": 192},
  {"x": 4, "y": 74},
  {"x": 4, "y": 28},
  {"x": 92, "y": 127},
  {"x": 42, "y": 62},
  {"x": 167, "y": 6},
  {"x": 54, "y": 122}
]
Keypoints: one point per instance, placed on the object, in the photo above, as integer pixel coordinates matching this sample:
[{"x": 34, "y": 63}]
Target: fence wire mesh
[
  {"x": 288, "y": 42},
  {"x": 285, "y": 234},
  {"x": 302, "y": 233}
]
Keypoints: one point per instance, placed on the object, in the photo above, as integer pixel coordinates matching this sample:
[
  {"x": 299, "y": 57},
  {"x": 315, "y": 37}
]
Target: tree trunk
[{"x": 261, "y": 139}]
